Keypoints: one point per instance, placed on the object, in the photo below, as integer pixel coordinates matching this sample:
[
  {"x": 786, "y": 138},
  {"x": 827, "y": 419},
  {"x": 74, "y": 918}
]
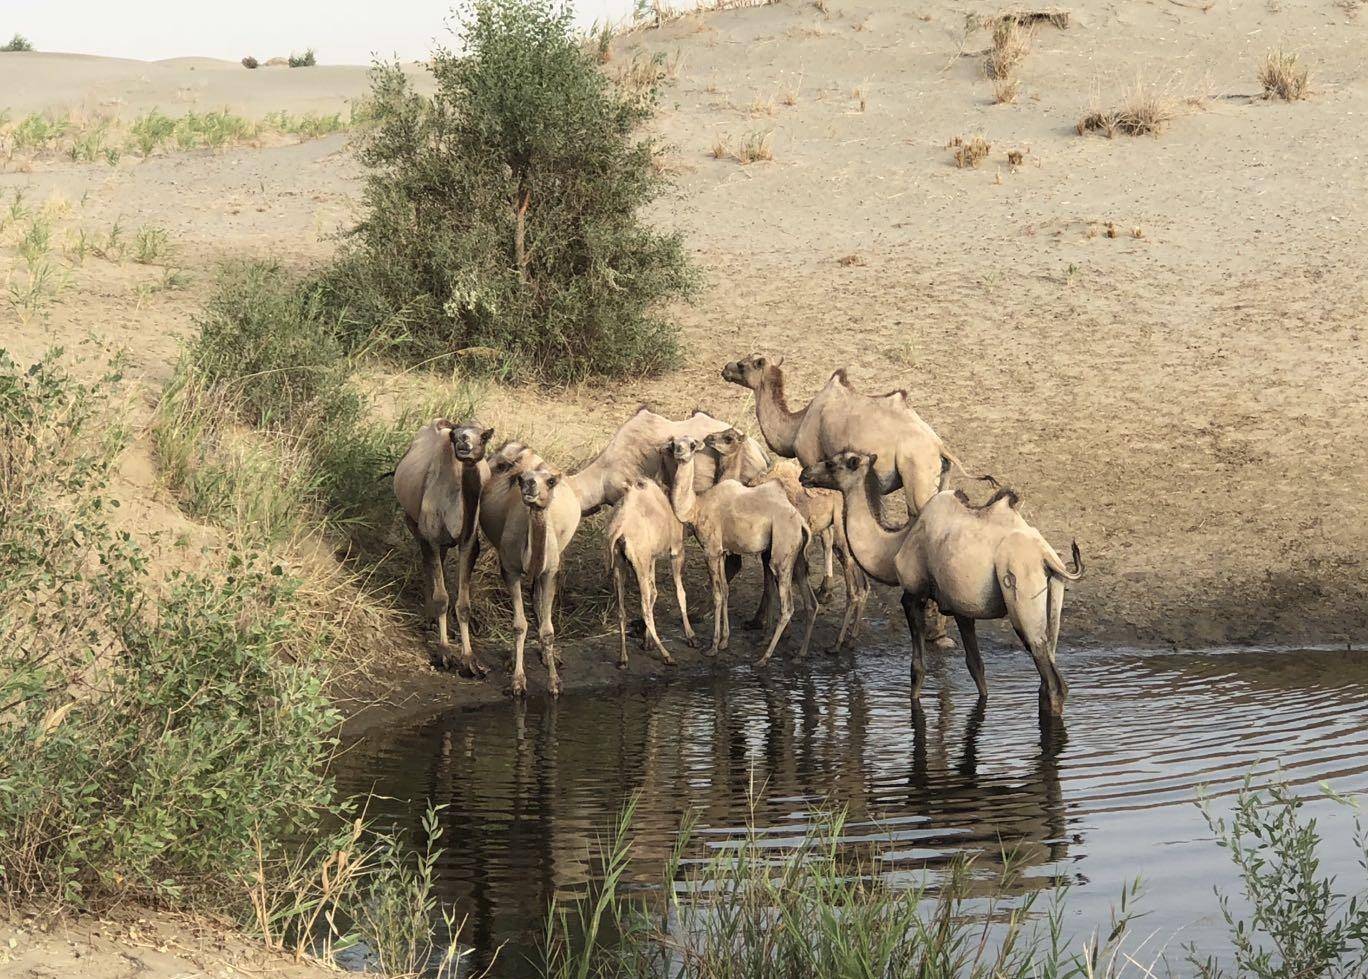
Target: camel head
[
  {"x": 536, "y": 486},
  {"x": 726, "y": 443},
  {"x": 469, "y": 441},
  {"x": 681, "y": 448},
  {"x": 841, "y": 471},
  {"x": 750, "y": 372}
]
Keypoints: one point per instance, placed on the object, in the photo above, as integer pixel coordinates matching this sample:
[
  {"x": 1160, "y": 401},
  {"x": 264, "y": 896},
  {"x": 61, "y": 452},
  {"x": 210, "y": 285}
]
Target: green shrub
[
  {"x": 305, "y": 60},
  {"x": 150, "y": 130},
  {"x": 250, "y": 62},
  {"x": 502, "y": 212},
  {"x": 150, "y": 737},
  {"x": 17, "y": 43}
]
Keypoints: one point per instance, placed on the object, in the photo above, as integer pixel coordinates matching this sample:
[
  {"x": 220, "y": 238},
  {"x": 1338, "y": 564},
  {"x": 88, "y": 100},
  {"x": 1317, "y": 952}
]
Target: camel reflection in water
[{"x": 530, "y": 790}]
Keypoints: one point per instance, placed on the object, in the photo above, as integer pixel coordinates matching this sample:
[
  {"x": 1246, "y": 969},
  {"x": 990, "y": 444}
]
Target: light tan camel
[
  {"x": 634, "y": 452},
  {"x": 531, "y": 518},
  {"x": 839, "y": 419},
  {"x": 732, "y": 519},
  {"x": 644, "y": 527},
  {"x": 977, "y": 562},
  {"x": 820, "y": 510},
  {"x": 438, "y": 483}
]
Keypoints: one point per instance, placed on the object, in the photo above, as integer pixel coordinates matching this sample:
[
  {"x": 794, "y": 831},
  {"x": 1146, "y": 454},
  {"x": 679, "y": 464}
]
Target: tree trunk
[{"x": 520, "y": 233}]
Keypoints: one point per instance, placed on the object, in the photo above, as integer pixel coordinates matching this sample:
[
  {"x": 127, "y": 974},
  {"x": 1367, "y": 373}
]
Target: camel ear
[
  {"x": 873, "y": 458},
  {"x": 778, "y": 361},
  {"x": 487, "y": 435}
]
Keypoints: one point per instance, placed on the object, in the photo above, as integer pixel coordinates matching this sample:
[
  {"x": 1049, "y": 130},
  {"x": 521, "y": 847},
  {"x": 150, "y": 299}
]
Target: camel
[
  {"x": 732, "y": 519},
  {"x": 644, "y": 526},
  {"x": 531, "y": 518},
  {"x": 634, "y": 452},
  {"x": 820, "y": 510},
  {"x": 977, "y": 563},
  {"x": 840, "y": 419},
  {"x": 438, "y": 483}
]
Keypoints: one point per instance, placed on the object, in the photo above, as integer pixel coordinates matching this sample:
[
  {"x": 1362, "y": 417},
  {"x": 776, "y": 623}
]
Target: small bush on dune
[
  {"x": 1011, "y": 43},
  {"x": 250, "y": 62},
  {"x": 17, "y": 43},
  {"x": 305, "y": 60},
  {"x": 502, "y": 211},
  {"x": 1143, "y": 112},
  {"x": 1283, "y": 77}
]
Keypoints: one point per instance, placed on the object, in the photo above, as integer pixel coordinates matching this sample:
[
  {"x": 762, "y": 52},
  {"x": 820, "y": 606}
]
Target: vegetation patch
[
  {"x": 502, "y": 211},
  {"x": 970, "y": 152},
  {"x": 1143, "y": 112},
  {"x": 17, "y": 43},
  {"x": 1283, "y": 76}
]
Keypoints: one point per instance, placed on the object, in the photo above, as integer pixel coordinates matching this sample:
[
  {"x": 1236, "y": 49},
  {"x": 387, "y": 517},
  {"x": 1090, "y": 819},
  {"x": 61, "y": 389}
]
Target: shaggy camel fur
[
  {"x": 634, "y": 452},
  {"x": 531, "y": 518},
  {"x": 838, "y": 419},
  {"x": 977, "y": 562},
  {"x": 644, "y": 526},
  {"x": 732, "y": 519},
  {"x": 438, "y": 483},
  {"x": 821, "y": 510}
]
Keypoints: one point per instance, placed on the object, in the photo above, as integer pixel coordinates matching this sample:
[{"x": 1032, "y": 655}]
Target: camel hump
[{"x": 642, "y": 407}]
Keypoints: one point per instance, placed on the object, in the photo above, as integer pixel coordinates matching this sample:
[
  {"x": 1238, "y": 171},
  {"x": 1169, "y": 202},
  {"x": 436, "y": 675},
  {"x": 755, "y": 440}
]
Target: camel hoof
[
  {"x": 762, "y": 662},
  {"x": 944, "y": 642},
  {"x": 667, "y": 659},
  {"x": 622, "y": 664},
  {"x": 519, "y": 686},
  {"x": 473, "y": 669},
  {"x": 692, "y": 642},
  {"x": 825, "y": 592},
  {"x": 710, "y": 651},
  {"x": 554, "y": 688}
]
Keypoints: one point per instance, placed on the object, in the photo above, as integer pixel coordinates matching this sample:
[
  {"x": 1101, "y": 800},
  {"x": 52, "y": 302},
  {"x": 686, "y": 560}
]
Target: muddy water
[{"x": 1094, "y": 804}]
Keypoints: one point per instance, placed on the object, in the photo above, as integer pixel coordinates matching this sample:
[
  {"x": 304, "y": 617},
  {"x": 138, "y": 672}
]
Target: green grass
[{"x": 151, "y": 244}]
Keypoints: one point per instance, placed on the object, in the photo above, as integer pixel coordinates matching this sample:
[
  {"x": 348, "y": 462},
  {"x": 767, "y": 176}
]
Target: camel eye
[
  {"x": 852, "y": 463},
  {"x": 550, "y": 483}
]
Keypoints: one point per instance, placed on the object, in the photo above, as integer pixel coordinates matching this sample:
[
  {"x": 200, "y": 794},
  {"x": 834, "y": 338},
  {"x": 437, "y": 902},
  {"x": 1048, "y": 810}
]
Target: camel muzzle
[{"x": 732, "y": 373}]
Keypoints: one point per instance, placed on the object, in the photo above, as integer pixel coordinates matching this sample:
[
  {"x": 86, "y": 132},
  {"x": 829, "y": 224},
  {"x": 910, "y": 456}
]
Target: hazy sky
[{"x": 342, "y": 31}]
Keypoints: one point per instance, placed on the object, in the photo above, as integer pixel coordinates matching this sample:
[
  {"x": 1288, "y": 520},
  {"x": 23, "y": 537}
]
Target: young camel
[
  {"x": 732, "y": 519},
  {"x": 839, "y": 418},
  {"x": 820, "y": 510},
  {"x": 977, "y": 562},
  {"x": 531, "y": 518},
  {"x": 438, "y": 483},
  {"x": 634, "y": 452},
  {"x": 644, "y": 526}
]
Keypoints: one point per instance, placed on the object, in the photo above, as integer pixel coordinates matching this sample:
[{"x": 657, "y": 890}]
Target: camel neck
[
  {"x": 778, "y": 424},
  {"x": 536, "y": 543},
  {"x": 470, "y": 497},
  {"x": 682, "y": 497},
  {"x": 588, "y": 487},
  {"x": 874, "y": 546}
]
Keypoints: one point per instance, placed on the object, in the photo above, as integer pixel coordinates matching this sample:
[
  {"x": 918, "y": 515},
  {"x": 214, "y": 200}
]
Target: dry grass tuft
[
  {"x": 1011, "y": 43},
  {"x": 822, "y": 7},
  {"x": 970, "y": 152},
  {"x": 790, "y": 94},
  {"x": 849, "y": 260},
  {"x": 755, "y": 148},
  {"x": 1137, "y": 232},
  {"x": 1005, "y": 90},
  {"x": 860, "y": 97},
  {"x": 721, "y": 148},
  {"x": 1015, "y": 157},
  {"x": 1111, "y": 229},
  {"x": 762, "y": 107},
  {"x": 1054, "y": 16},
  {"x": 1283, "y": 77},
  {"x": 1142, "y": 112}
]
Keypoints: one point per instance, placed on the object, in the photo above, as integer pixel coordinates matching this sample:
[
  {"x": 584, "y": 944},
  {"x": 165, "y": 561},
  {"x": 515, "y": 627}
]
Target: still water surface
[{"x": 1111, "y": 795}]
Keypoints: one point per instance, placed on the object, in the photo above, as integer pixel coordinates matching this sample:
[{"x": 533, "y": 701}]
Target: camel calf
[
  {"x": 438, "y": 483},
  {"x": 644, "y": 527},
  {"x": 732, "y": 519}
]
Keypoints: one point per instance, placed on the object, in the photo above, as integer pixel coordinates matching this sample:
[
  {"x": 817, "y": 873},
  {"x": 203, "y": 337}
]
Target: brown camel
[
  {"x": 531, "y": 518},
  {"x": 977, "y": 562},
  {"x": 732, "y": 519},
  {"x": 820, "y": 509},
  {"x": 634, "y": 452},
  {"x": 438, "y": 483},
  {"x": 644, "y": 526},
  {"x": 840, "y": 419}
]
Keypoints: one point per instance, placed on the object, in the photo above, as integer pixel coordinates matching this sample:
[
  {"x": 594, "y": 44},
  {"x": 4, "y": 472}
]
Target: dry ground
[{"x": 1186, "y": 398}]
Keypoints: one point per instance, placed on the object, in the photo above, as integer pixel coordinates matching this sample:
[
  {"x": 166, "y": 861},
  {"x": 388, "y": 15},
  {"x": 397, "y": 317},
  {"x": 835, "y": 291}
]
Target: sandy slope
[{"x": 1189, "y": 403}]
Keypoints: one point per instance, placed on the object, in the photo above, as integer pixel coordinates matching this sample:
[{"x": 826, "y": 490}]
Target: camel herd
[{"x": 700, "y": 475}]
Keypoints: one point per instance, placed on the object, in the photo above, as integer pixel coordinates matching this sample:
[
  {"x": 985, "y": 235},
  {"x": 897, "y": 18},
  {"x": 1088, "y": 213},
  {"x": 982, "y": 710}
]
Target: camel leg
[
  {"x": 465, "y": 569},
  {"x": 826, "y": 589},
  {"x": 544, "y": 595},
  {"x": 645, "y": 572},
  {"x": 862, "y": 588},
  {"x": 784, "y": 579},
  {"x": 1054, "y": 614},
  {"x": 915, "y": 610},
  {"x": 620, "y": 590},
  {"x": 726, "y": 612},
  {"x": 439, "y": 602},
  {"x": 761, "y": 618},
  {"x": 514, "y": 584},
  {"x": 972, "y": 658},
  {"x": 677, "y": 570},
  {"x": 936, "y": 633},
  {"x": 717, "y": 577}
]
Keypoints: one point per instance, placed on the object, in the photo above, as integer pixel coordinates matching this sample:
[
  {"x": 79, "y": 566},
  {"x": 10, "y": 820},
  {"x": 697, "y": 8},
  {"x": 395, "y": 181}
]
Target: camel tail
[
  {"x": 949, "y": 460},
  {"x": 1056, "y": 567},
  {"x": 386, "y": 475},
  {"x": 614, "y": 548},
  {"x": 801, "y": 571}
]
